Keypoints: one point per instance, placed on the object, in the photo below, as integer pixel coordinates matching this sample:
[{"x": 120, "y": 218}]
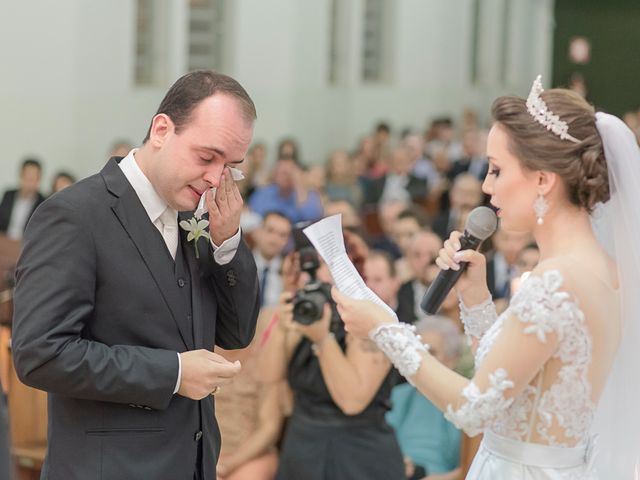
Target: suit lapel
[{"x": 150, "y": 245}]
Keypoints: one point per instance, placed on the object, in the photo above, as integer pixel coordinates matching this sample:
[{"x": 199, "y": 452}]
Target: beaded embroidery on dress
[{"x": 565, "y": 404}]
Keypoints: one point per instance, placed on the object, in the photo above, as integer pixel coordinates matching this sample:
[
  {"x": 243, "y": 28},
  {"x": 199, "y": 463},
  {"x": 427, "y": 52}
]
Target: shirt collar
[{"x": 153, "y": 204}]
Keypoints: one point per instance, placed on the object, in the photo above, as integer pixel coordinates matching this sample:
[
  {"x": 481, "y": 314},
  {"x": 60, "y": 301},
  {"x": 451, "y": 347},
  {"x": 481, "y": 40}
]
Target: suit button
[
  {"x": 231, "y": 278},
  {"x": 198, "y": 436},
  {"x": 181, "y": 282}
]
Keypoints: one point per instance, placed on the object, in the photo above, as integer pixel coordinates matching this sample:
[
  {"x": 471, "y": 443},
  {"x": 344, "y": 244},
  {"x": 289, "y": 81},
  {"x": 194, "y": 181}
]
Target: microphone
[{"x": 481, "y": 224}]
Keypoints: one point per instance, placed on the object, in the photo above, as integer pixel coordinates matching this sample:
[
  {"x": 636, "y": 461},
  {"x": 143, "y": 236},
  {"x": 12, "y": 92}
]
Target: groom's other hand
[{"x": 203, "y": 371}]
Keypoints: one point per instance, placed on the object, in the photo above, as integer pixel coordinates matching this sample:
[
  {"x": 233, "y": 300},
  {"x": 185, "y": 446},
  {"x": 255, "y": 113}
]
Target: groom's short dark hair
[{"x": 190, "y": 89}]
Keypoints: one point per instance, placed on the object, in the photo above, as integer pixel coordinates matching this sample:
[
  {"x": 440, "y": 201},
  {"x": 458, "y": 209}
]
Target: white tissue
[{"x": 202, "y": 209}]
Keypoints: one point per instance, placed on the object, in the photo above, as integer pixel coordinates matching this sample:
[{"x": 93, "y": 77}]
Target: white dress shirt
[
  {"x": 273, "y": 288},
  {"x": 20, "y": 212},
  {"x": 154, "y": 205}
]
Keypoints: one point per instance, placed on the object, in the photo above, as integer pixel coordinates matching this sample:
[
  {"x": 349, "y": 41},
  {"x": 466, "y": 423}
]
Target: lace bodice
[{"x": 555, "y": 407}]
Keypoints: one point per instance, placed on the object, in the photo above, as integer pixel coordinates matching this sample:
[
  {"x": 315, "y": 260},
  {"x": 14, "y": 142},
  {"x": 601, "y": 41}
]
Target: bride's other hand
[{"x": 360, "y": 316}]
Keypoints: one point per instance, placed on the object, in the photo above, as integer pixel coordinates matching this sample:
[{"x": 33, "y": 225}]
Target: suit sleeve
[
  {"x": 237, "y": 294},
  {"x": 53, "y": 304},
  {"x": 5, "y": 211}
]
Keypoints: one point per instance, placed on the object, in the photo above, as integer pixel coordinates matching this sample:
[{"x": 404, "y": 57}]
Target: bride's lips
[{"x": 495, "y": 209}]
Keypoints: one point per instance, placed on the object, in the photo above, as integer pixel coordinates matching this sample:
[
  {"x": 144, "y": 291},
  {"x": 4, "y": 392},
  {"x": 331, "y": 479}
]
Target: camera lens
[
  {"x": 308, "y": 304},
  {"x": 306, "y": 311}
]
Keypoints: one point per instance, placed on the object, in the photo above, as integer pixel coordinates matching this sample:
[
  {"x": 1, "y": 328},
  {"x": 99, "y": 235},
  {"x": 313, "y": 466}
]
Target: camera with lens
[{"x": 308, "y": 301}]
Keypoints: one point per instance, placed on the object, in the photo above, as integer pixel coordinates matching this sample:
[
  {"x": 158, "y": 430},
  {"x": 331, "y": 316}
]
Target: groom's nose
[{"x": 213, "y": 174}]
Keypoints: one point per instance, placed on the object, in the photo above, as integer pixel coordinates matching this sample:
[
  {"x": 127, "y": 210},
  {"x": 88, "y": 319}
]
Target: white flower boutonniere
[{"x": 196, "y": 229}]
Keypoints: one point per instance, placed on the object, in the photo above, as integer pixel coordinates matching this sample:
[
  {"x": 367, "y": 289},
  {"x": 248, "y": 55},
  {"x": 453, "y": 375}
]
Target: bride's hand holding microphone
[
  {"x": 458, "y": 255},
  {"x": 473, "y": 289}
]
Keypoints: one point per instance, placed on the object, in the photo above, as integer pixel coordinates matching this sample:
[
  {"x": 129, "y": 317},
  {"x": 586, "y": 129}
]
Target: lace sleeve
[
  {"x": 537, "y": 326},
  {"x": 481, "y": 408},
  {"x": 543, "y": 307},
  {"x": 401, "y": 345},
  {"x": 478, "y": 318}
]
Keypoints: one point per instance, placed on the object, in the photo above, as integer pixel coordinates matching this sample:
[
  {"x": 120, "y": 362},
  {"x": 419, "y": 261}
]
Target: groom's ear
[{"x": 161, "y": 128}]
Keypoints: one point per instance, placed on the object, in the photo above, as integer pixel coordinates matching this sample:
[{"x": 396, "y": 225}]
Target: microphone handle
[{"x": 446, "y": 279}]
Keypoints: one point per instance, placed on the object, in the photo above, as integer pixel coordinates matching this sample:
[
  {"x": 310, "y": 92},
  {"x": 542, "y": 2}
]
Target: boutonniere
[
  {"x": 196, "y": 225},
  {"x": 196, "y": 229}
]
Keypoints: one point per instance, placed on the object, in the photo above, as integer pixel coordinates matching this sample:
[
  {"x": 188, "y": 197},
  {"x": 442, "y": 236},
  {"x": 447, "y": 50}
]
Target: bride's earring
[{"x": 541, "y": 207}]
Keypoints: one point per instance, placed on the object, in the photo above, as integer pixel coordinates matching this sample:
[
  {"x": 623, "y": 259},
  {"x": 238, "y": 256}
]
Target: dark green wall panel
[{"x": 613, "y": 28}]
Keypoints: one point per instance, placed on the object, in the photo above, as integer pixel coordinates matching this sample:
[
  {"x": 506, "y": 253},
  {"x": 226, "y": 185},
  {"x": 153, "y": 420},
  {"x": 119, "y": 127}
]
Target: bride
[{"x": 542, "y": 366}]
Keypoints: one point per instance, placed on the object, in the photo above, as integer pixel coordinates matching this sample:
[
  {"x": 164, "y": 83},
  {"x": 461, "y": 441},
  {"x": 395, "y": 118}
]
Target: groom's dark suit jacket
[{"x": 100, "y": 311}]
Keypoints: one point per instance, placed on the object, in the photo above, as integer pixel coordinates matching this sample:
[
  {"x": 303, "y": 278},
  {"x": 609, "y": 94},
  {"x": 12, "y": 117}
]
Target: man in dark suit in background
[
  {"x": 422, "y": 252},
  {"x": 502, "y": 265},
  {"x": 18, "y": 205},
  {"x": 398, "y": 183},
  {"x": 465, "y": 195},
  {"x": 474, "y": 158},
  {"x": 117, "y": 310}
]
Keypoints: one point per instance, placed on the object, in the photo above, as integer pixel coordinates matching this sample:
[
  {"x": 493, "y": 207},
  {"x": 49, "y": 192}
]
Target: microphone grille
[{"x": 482, "y": 222}]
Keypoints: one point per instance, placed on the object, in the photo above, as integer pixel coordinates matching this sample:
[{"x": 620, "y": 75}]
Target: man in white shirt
[
  {"x": 118, "y": 309},
  {"x": 17, "y": 206},
  {"x": 271, "y": 239}
]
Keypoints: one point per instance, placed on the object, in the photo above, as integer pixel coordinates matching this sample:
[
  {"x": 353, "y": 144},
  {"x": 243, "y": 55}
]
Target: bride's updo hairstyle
[{"x": 581, "y": 166}]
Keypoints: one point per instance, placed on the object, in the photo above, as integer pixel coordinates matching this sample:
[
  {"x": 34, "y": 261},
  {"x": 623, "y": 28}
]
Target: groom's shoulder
[
  {"x": 88, "y": 188},
  {"x": 87, "y": 193}
]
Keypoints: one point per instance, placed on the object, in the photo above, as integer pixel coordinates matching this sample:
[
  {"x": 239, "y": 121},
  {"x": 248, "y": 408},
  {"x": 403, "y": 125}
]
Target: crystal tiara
[{"x": 544, "y": 116}]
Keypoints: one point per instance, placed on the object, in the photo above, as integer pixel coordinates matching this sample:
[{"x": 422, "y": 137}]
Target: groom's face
[{"x": 192, "y": 160}]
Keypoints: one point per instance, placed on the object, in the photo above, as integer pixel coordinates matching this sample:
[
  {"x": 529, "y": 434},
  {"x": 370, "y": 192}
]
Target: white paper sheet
[
  {"x": 326, "y": 236},
  {"x": 202, "y": 209}
]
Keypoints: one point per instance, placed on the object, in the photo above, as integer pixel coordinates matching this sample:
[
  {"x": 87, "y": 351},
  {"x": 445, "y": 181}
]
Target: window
[
  {"x": 145, "y": 58},
  {"x": 334, "y": 43},
  {"x": 205, "y": 35},
  {"x": 375, "y": 42}
]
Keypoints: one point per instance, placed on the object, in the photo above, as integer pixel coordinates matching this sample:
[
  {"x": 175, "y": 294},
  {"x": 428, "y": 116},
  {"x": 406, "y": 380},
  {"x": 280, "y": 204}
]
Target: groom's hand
[
  {"x": 203, "y": 371},
  {"x": 224, "y": 209}
]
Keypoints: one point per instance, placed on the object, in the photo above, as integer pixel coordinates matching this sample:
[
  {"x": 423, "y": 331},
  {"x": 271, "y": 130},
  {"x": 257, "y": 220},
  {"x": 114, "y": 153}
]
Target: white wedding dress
[
  {"x": 544, "y": 428},
  {"x": 541, "y": 432}
]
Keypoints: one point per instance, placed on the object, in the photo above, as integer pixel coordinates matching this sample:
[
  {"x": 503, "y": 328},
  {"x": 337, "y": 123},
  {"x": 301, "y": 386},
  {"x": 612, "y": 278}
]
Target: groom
[{"x": 117, "y": 318}]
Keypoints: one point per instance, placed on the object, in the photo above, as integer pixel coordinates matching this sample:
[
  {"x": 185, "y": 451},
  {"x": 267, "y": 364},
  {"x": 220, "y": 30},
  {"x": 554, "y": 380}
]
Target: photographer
[{"x": 341, "y": 384}]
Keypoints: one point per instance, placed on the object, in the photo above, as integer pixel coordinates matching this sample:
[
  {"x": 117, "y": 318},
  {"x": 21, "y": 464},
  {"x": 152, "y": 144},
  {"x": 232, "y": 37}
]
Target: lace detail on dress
[
  {"x": 478, "y": 318},
  {"x": 567, "y": 404},
  {"x": 481, "y": 409},
  {"x": 401, "y": 345}
]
